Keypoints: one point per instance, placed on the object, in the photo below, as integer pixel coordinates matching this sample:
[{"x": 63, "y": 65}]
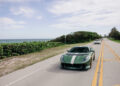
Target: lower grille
[{"x": 73, "y": 65}]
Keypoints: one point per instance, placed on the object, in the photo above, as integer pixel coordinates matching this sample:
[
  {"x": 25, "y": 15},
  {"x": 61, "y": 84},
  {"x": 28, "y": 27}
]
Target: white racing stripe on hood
[{"x": 73, "y": 59}]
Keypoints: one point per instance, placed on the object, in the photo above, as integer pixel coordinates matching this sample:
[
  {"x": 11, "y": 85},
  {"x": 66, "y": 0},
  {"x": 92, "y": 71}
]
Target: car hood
[{"x": 77, "y": 57}]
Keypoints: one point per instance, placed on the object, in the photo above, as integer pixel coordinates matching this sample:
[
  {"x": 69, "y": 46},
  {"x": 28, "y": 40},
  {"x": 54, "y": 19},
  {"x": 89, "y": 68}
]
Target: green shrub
[
  {"x": 15, "y": 49},
  {"x": 15, "y": 54},
  {"x": 1, "y": 51}
]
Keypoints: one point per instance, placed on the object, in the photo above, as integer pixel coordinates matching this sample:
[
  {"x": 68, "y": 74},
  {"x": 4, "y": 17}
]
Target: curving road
[{"x": 105, "y": 71}]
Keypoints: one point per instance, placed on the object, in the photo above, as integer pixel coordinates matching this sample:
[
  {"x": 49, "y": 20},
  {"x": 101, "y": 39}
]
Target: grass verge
[
  {"x": 118, "y": 41},
  {"x": 14, "y": 63}
]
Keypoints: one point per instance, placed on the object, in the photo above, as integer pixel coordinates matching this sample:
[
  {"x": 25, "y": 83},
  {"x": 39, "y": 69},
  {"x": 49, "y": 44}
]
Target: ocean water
[{"x": 21, "y": 40}]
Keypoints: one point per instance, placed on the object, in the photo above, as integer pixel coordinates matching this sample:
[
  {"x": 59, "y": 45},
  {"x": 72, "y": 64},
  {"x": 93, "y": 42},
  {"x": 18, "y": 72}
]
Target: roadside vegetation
[
  {"x": 114, "y": 40},
  {"x": 114, "y": 35},
  {"x": 16, "y": 49},
  {"x": 77, "y": 37}
]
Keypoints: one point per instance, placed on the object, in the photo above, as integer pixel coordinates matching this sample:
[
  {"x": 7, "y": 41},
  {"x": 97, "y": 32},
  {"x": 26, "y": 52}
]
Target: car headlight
[{"x": 86, "y": 58}]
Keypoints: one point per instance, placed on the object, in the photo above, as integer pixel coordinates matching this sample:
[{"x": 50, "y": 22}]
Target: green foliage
[
  {"x": 114, "y": 34},
  {"x": 15, "y": 49},
  {"x": 77, "y": 37},
  {"x": 1, "y": 51},
  {"x": 118, "y": 41}
]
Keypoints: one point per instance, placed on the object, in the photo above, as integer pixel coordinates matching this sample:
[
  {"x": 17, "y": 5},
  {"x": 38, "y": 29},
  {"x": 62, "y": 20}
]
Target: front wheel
[
  {"x": 91, "y": 64},
  {"x": 62, "y": 66},
  {"x": 93, "y": 57}
]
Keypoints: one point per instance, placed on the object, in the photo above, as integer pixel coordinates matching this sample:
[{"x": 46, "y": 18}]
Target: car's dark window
[{"x": 79, "y": 49}]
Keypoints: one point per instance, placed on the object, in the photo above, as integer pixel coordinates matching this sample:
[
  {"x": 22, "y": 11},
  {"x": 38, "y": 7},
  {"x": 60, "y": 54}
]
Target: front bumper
[
  {"x": 75, "y": 66},
  {"x": 97, "y": 43}
]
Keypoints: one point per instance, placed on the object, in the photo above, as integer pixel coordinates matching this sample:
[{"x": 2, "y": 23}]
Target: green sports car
[{"x": 78, "y": 58}]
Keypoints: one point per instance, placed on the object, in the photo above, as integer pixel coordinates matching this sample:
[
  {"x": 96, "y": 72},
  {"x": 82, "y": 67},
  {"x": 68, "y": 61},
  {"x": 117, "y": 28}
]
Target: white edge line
[{"x": 11, "y": 83}]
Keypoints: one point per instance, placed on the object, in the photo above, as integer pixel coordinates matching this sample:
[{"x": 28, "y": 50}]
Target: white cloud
[
  {"x": 85, "y": 13},
  {"x": 67, "y": 6},
  {"x": 39, "y": 17},
  {"x": 9, "y": 23},
  {"x": 19, "y": 1},
  {"x": 23, "y": 11},
  {"x": 76, "y": 6}
]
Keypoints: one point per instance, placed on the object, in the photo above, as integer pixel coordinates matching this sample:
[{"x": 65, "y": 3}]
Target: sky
[{"x": 46, "y": 19}]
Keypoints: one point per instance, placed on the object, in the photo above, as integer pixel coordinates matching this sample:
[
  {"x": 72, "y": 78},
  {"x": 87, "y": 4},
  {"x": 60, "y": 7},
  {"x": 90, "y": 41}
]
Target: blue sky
[{"x": 21, "y": 19}]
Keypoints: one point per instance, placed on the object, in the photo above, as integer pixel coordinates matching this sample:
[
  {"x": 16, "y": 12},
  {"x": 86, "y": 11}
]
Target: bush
[
  {"x": 1, "y": 51},
  {"x": 15, "y": 49}
]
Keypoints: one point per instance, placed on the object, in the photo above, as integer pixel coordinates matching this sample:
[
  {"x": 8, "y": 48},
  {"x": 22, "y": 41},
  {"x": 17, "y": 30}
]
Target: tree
[
  {"x": 77, "y": 37},
  {"x": 114, "y": 33}
]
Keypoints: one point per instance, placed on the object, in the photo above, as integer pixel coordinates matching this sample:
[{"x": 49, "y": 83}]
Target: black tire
[
  {"x": 94, "y": 58},
  {"x": 91, "y": 64},
  {"x": 62, "y": 66},
  {"x": 84, "y": 68}
]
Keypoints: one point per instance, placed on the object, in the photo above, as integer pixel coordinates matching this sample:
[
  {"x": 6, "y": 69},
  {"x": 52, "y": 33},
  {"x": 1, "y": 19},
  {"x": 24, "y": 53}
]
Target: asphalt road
[{"x": 105, "y": 71}]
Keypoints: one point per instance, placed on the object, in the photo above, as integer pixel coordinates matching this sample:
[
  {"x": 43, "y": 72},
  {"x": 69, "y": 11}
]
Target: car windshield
[
  {"x": 79, "y": 50},
  {"x": 96, "y": 40}
]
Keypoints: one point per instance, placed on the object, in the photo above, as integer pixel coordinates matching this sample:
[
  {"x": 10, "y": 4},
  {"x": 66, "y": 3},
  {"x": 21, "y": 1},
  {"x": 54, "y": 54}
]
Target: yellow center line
[
  {"x": 94, "y": 82},
  {"x": 100, "y": 62},
  {"x": 101, "y": 69}
]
